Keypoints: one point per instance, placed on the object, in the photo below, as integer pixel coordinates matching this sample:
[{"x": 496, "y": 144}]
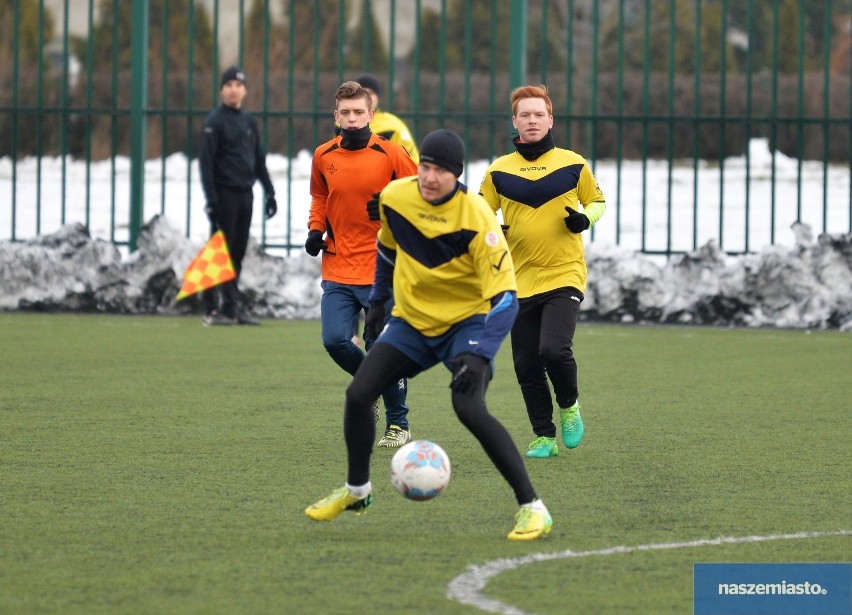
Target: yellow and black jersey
[
  {"x": 394, "y": 129},
  {"x": 533, "y": 195},
  {"x": 451, "y": 258}
]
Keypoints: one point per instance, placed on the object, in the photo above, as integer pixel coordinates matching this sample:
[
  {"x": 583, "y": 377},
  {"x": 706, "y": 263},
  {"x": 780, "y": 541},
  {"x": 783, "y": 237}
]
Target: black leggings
[
  {"x": 385, "y": 364},
  {"x": 542, "y": 348}
]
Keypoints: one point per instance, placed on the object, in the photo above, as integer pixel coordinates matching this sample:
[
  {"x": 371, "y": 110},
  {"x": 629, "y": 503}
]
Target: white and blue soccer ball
[{"x": 420, "y": 470}]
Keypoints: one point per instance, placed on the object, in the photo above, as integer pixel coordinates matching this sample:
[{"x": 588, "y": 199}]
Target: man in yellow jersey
[
  {"x": 535, "y": 187},
  {"x": 443, "y": 256},
  {"x": 386, "y": 124}
]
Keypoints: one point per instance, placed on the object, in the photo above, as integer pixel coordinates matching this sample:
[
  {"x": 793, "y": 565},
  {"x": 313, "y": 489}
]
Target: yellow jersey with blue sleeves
[
  {"x": 451, "y": 258},
  {"x": 533, "y": 195}
]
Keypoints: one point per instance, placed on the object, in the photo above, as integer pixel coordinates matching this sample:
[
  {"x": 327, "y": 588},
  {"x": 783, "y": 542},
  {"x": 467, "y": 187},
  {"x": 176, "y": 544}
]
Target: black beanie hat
[
  {"x": 444, "y": 148},
  {"x": 234, "y": 73},
  {"x": 370, "y": 82}
]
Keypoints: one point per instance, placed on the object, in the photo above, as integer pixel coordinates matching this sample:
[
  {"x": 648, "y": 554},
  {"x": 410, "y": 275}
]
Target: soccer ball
[{"x": 420, "y": 470}]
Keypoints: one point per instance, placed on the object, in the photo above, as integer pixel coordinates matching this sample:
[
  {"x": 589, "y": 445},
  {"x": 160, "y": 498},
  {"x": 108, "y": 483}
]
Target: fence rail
[{"x": 704, "y": 120}]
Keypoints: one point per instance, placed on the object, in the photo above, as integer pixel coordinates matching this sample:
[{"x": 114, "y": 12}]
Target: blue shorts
[{"x": 428, "y": 351}]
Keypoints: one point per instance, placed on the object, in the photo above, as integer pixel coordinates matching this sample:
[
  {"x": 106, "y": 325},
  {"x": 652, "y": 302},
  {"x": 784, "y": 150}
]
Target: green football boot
[
  {"x": 543, "y": 447},
  {"x": 572, "y": 425}
]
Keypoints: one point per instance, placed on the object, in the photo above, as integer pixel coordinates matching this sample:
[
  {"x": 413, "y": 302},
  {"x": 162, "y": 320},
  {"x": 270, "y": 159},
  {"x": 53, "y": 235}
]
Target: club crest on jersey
[{"x": 491, "y": 239}]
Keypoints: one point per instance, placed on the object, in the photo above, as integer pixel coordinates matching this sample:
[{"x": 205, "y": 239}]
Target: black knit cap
[
  {"x": 234, "y": 73},
  {"x": 370, "y": 82},
  {"x": 444, "y": 148}
]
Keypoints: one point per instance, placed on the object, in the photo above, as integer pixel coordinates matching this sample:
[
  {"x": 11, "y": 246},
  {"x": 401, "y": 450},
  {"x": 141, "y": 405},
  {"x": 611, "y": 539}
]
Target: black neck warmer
[
  {"x": 531, "y": 151},
  {"x": 355, "y": 138}
]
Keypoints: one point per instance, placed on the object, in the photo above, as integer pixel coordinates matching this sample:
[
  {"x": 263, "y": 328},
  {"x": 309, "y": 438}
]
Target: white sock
[
  {"x": 535, "y": 505},
  {"x": 360, "y": 491}
]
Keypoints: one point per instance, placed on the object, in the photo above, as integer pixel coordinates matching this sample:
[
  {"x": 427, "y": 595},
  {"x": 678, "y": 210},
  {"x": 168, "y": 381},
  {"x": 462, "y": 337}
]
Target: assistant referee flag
[{"x": 210, "y": 267}]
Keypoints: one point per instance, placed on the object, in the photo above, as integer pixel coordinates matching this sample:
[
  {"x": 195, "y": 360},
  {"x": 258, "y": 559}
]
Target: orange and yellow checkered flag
[{"x": 211, "y": 266}]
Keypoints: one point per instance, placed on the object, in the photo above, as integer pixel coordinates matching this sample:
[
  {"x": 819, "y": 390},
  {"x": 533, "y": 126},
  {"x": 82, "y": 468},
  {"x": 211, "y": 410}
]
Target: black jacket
[{"x": 231, "y": 155}]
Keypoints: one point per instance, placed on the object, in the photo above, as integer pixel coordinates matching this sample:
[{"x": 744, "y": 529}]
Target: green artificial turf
[{"x": 151, "y": 465}]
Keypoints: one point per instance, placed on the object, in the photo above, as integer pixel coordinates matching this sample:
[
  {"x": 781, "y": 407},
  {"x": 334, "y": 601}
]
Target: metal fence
[{"x": 703, "y": 120}]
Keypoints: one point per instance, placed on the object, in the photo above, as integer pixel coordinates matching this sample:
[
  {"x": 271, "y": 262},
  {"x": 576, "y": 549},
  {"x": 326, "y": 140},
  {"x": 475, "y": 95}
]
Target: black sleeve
[
  {"x": 207, "y": 157},
  {"x": 260, "y": 170}
]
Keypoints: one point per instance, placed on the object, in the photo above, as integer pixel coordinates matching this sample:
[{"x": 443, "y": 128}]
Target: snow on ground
[{"x": 795, "y": 275}]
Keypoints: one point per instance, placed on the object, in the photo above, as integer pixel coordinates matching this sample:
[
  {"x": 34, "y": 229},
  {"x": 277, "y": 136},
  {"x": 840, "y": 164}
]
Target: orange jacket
[{"x": 342, "y": 181}]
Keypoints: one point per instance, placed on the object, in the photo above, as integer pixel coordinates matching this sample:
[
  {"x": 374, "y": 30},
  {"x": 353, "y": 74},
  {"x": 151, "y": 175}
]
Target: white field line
[{"x": 467, "y": 587}]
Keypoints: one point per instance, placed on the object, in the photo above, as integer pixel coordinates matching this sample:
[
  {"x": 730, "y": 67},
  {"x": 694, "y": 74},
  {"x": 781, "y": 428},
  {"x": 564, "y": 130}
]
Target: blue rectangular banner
[{"x": 772, "y": 589}]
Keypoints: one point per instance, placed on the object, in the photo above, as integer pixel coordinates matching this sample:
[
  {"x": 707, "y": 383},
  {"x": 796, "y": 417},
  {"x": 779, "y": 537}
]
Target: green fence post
[
  {"x": 63, "y": 116},
  {"x": 41, "y": 114},
  {"x": 518, "y": 44},
  {"x": 138, "y": 103},
  {"x": 16, "y": 63}
]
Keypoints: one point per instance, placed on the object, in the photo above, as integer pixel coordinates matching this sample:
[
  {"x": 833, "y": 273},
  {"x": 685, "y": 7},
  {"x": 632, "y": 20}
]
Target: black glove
[
  {"x": 505, "y": 228},
  {"x": 470, "y": 371},
  {"x": 314, "y": 243},
  {"x": 271, "y": 206},
  {"x": 210, "y": 210},
  {"x": 575, "y": 221},
  {"x": 374, "y": 322},
  {"x": 373, "y": 207}
]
